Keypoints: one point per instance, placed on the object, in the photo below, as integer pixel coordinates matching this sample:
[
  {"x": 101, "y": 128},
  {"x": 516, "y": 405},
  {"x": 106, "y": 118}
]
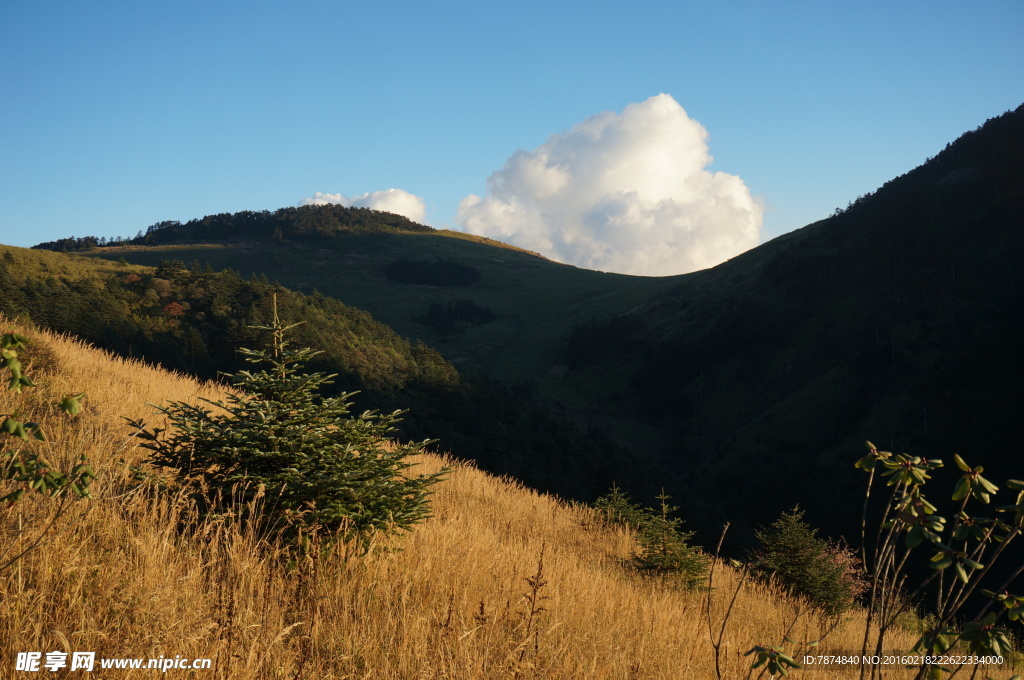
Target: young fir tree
[
  {"x": 666, "y": 549},
  {"x": 309, "y": 455}
]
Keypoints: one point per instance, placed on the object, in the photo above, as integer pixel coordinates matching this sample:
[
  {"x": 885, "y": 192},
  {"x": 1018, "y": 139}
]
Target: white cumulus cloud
[
  {"x": 627, "y": 193},
  {"x": 393, "y": 201}
]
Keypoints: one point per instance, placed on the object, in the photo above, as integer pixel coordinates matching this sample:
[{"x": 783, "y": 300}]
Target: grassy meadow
[{"x": 501, "y": 582}]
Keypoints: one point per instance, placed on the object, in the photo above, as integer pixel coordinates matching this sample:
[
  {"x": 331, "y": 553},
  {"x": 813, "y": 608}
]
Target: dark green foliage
[
  {"x": 72, "y": 244},
  {"x": 900, "y": 316},
  {"x": 663, "y": 547},
  {"x": 451, "y": 317},
  {"x": 305, "y": 222},
  {"x": 316, "y": 463},
  {"x": 171, "y": 270},
  {"x": 666, "y": 549},
  {"x": 616, "y": 507},
  {"x": 604, "y": 340},
  {"x": 826, "y": 574},
  {"x": 31, "y": 472},
  {"x": 437, "y": 272}
]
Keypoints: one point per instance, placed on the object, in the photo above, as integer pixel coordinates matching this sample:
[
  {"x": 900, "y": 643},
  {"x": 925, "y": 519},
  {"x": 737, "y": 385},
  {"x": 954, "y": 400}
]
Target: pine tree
[{"x": 311, "y": 457}]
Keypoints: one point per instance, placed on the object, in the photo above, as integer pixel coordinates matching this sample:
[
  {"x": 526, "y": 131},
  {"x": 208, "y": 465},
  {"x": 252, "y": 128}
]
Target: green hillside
[{"x": 352, "y": 267}]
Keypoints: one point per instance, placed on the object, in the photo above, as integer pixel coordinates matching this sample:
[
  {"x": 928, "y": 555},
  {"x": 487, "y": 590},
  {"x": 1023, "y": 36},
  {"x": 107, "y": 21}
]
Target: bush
[
  {"x": 963, "y": 547},
  {"x": 31, "y": 472},
  {"x": 962, "y": 551},
  {"x": 828, "y": 574},
  {"x": 317, "y": 464},
  {"x": 22, "y": 472}
]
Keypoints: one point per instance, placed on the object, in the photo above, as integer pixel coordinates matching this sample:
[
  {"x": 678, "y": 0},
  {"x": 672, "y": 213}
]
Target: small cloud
[
  {"x": 625, "y": 192},
  {"x": 393, "y": 201}
]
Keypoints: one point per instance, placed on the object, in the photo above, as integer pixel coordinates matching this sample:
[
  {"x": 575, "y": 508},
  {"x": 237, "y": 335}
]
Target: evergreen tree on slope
[{"x": 309, "y": 455}]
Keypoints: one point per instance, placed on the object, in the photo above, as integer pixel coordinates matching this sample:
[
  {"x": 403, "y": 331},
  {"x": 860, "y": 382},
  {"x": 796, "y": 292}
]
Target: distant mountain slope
[
  {"x": 306, "y": 222},
  {"x": 303, "y": 223},
  {"x": 534, "y": 302}
]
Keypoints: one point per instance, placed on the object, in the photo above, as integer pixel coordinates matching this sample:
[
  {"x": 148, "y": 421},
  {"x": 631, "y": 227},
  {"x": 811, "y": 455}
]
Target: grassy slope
[{"x": 132, "y": 574}]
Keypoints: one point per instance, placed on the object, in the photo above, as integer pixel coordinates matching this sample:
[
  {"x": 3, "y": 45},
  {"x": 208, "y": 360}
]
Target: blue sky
[{"x": 117, "y": 115}]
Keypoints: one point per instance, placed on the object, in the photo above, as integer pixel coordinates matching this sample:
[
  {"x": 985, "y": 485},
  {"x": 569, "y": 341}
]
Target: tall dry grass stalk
[{"x": 467, "y": 594}]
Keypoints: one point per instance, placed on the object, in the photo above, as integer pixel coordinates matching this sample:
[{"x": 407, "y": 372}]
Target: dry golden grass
[{"x": 131, "y": 574}]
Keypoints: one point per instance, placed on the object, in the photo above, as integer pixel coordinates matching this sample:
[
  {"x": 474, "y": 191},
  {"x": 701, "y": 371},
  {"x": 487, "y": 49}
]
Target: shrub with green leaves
[
  {"x": 828, "y": 574},
  {"x": 31, "y": 472},
  {"x": 316, "y": 463},
  {"x": 963, "y": 546},
  {"x": 23, "y": 472}
]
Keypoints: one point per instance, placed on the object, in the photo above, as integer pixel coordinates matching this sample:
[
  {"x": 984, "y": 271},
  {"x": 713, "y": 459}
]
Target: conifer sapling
[{"x": 309, "y": 455}]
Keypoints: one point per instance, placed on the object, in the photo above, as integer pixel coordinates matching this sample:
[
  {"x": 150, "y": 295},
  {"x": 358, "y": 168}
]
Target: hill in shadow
[{"x": 897, "y": 320}]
